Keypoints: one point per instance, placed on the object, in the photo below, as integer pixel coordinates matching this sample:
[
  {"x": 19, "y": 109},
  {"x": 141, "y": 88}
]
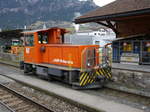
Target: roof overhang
[
  {"x": 124, "y": 17},
  {"x": 113, "y": 17}
]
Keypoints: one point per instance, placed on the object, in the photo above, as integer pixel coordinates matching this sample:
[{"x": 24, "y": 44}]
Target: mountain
[{"x": 17, "y": 13}]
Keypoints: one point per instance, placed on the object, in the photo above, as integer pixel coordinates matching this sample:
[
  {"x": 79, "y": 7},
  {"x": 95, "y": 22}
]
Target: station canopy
[
  {"x": 125, "y": 17},
  {"x": 9, "y": 34}
]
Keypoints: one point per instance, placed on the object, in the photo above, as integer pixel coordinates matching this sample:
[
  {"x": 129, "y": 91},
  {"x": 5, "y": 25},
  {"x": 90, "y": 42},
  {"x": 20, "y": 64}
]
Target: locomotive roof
[
  {"x": 40, "y": 30},
  {"x": 33, "y": 31}
]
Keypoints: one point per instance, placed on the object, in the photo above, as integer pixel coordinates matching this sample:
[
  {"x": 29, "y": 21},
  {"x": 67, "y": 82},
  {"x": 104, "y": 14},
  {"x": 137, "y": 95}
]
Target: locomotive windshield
[{"x": 16, "y": 43}]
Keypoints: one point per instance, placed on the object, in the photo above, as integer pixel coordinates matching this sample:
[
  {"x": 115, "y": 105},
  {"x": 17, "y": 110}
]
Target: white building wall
[{"x": 93, "y": 37}]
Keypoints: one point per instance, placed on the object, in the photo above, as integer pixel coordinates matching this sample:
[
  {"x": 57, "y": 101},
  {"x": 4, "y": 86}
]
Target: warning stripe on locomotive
[{"x": 90, "y": 77}]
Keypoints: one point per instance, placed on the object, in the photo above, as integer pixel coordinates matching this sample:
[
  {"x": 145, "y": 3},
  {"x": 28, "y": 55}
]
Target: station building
[
  {"x": 129, "y": 19},
  {"x": 91, "y": 37}
]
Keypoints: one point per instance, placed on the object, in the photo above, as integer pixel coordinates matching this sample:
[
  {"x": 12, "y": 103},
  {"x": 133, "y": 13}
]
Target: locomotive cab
[{"x": 46, "y": 54}]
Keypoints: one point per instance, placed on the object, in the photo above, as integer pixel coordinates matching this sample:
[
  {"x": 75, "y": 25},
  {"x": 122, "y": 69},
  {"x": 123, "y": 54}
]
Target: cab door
[{"x": 29, "y": 49}]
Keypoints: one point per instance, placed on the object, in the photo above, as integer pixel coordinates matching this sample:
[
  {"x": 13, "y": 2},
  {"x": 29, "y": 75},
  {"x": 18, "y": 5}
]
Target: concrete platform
[
  {"x": 139, "y": 68},
  {"x": 133, "y": 78},
  {"x": 5, "y": 80},
  {"x": 94, "y": 103}
]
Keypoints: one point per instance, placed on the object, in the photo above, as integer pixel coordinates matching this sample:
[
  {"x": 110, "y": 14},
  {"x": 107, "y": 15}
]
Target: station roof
[
  {"x": 116, "y": 10},
  {"x": 11, "y": 34}
]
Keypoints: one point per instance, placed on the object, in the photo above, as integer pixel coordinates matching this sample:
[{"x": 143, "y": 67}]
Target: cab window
[
  {"x": 29, "y": 40},
  {"x": 43, "y": 38}
]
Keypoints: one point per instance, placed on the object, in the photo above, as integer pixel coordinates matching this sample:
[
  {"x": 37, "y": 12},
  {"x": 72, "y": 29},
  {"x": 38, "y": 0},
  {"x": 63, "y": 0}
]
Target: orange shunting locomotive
[{"x": 46, "y": 54}]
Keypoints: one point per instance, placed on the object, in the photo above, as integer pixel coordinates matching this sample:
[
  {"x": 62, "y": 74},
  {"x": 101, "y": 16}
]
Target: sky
[{"x": 102, "y": 2}]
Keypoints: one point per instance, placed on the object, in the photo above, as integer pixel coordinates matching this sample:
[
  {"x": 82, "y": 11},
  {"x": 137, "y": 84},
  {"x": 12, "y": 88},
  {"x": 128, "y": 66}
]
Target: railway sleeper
[
  {"x": 22, "y": 107},
  {"x": 30, "y": 110},
  {"x": 16, "y": 104},
  {"x": 2, "y": 96},
  {"x": 9, "y": 100}
]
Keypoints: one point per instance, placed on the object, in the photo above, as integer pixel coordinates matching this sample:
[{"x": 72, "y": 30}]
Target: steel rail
[
  {"x": 7, "y": 107},
  {"x": 23, "y": 97}
]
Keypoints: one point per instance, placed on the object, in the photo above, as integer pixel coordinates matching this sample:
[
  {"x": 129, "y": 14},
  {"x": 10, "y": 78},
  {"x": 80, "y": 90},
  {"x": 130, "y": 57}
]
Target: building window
[
  {"x": 136, "y": 47},
  {"x": 116, "y": 52},
  {"x": 132, "y": 49},
  {"x": 146, "y": 52},
  {"x": 97, "y": 42},
  {"x": 127, "y": 47}
]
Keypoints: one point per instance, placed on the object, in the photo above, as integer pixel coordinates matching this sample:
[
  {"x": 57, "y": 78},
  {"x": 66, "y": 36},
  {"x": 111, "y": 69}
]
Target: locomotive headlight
[{"x": 88, "y": 64}]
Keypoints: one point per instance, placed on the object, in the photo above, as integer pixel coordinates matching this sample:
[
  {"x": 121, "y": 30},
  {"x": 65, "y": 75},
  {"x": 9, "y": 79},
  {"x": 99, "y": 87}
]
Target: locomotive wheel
[{"x": 27, "y": 68}]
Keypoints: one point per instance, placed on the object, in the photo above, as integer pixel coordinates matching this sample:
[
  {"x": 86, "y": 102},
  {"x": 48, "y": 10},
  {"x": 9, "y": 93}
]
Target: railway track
[
  {"x": 5, "y": 108},
  {"x": 17, "y": 102},
  {"x": 135, "y": 100}
]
